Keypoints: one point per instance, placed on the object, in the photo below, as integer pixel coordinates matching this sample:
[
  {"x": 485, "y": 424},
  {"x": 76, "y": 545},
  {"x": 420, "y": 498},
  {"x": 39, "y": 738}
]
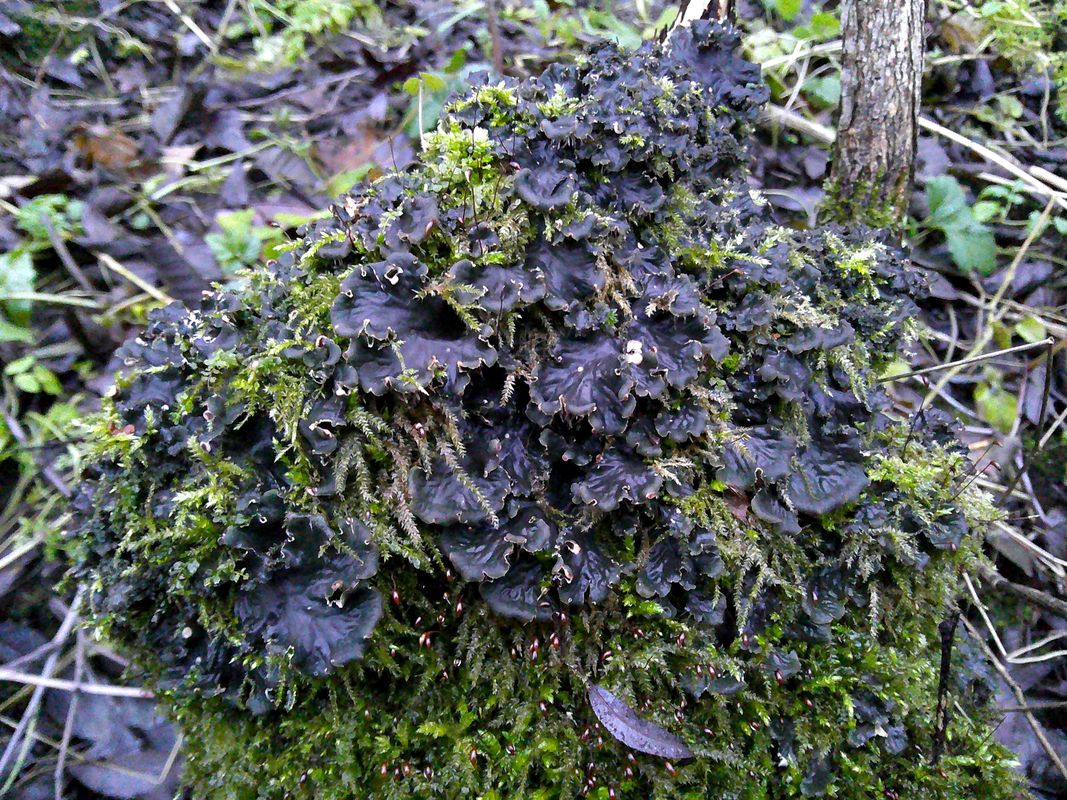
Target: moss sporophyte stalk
[{"x": 549, "y": 468}]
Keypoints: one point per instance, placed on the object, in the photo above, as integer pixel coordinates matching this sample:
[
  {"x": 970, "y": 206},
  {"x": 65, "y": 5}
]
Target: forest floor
[{"x": 148, "y": 149}]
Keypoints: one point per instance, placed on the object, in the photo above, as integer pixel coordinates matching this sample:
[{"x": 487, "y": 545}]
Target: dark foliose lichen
[{"x": 559, "y": 411}]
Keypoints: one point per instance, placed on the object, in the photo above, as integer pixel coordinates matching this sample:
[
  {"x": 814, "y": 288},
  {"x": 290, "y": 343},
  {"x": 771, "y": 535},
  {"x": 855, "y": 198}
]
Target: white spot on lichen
[{"x": 634, "y": 352}]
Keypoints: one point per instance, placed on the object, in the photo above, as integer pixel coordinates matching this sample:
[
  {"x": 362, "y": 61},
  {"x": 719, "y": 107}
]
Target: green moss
[
  {"x": 492, "y": 718},
  {"x": 868, "y": 203}
]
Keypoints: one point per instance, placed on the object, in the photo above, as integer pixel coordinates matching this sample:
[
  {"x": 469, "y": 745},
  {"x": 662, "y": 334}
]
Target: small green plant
[
  {"x": 238, "y": 243},
  {"x": 786, "y": 9},
  {"x": 996, "y": 405},
  {"x": 32, "y": 377},
  {"x": 1027, "y": 34},
  {"x": 775, "y": 50},
  {"x": 56, "y": 210},
  {"x": 283, "y": 29},
  {"x": 970, "y": 242},
  {"x": 429, "y": 92},
  {"x": 17, "y": 276}
]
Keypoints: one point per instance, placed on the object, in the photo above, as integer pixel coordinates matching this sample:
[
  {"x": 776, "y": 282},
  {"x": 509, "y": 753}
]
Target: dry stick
[
  {"x": 1042, "y": 417},
  {"x": 965, "y": 361},
  {"x": 58, "y": 299},
  {"x": 1035, "y": 596},
  {"x": 38, "y": 694},
  {"x": 30, "y": 657},
  {"x": 1056, "y": 423},
  {"x": 1020, "y": 697},
  {"x": 692, "y": 10},
  {"x": 986, "y": 334},
  {"x": 64, "y": 685},
  {"x": 947, "y": 629},
  {"x": 496, "y": 43},
  {"x": 1052, "y": 704},
  {"x": 1057, "y": 197},
  {"x": 136, "y": 280},
  {"x": 37, "y": 736},
  {"x": 1036, "y": 182},
  {"x": 68, "y": 724},
  {"x": 190, "y": 23},
  {"x": 64, "y": 254},
  {"x": 26, "y": 547}
]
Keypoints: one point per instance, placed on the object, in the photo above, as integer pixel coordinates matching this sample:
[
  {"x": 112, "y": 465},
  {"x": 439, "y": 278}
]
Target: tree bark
[{"x": 881, "y": 87}]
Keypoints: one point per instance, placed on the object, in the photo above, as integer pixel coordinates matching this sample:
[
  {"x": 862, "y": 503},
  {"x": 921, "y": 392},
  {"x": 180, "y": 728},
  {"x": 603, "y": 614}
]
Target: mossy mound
[{"x": 555, "y": 430}]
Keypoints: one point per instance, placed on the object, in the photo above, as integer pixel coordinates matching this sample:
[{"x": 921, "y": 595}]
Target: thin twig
[
  {"x": 824, "y": 134},
  {"x": 33, "y": 655},
  {"x": 496, "y": 43},
  {"x": 1048, "y": 706},
  {"x": 1015, "y": 658},
  {"x": 136, "y": 280},
  {"x": 947, "y": 629},
  {"x": 1020, "y": 697},
  {"x": 990, "y": 326},
  {"x": 20, "y": 551},
  {"x": 68, "y": 724},
  {"x": 190, "y": 23},
  {"x": 1032, "y": 452},
  {"x": 1035, "y": 596},
  {"x": 64, "y": 254},
  {"x": 103, "y": 689},
  {"x": 1059, "y": 198},
  {"x": 1056, "y": 423},
  {"x": 969, "y": 360},
  {"x": 777, "y": 116},
  {"x": 7, "y": 759},
  {"x": 58, "y": 299}
]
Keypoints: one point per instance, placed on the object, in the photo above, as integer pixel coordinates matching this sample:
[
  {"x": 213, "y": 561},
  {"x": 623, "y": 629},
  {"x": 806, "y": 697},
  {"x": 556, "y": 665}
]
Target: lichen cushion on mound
[{"x": 559, "y": 415}]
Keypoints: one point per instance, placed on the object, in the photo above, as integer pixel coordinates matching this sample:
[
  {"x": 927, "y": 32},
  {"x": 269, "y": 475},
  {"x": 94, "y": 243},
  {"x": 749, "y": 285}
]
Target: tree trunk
[{"x": 881, "y": 87}]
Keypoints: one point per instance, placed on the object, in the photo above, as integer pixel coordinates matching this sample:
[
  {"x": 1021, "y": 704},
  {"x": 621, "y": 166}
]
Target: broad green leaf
[
  {"x": 971, "y": 244},
  {"x": 607, "y": 25},
  {"x": 985, "y": 210},
  {"x": 47, "y": 380},
  {"x": 823, "y": 26},
  {"x": 17, "y": 275},
  {"x": 896, "y": 367},
  {"x": 433, "y": 81},
  {"x": 788, "y": 9},
  {"x": 26, "y": 382},
  {"x": 996, "y": 406},
  {"x": 946, "y": 199},
  {"x": 63, "y": 213},
  {"x": 973, "y": 248},
  {"x": 19, "y": 365},
  {"x": 1010, "y": 105},
  {"x": 1031, "y": 329},
  {"x": 344, "y": 181},
  {"x": 236, "y": 222},
  {"x": 1002, "y": 335},
  {"x": 825, "y": 90},
  {"x": 10, "y": 332},
  {"x": 457, "y": 62}
]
